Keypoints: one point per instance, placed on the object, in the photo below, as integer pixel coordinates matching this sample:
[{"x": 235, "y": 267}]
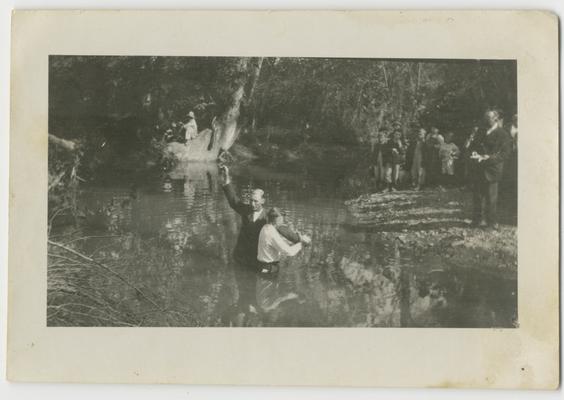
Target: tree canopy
[{"x": 126, "y": 99}]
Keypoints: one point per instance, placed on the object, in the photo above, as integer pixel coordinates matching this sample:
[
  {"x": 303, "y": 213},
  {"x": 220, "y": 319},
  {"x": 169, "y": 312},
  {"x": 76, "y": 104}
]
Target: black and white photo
[
  {"x": 285, "y": 198},
  {"x": 304, "y": 192}
]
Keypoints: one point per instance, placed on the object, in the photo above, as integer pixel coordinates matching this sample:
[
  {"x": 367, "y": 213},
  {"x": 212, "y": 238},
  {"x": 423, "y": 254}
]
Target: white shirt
[
  {"x": 272, "y": 245},
  {"x": 191, "y": 129},
  {"x": 256, "y": 215},
  {"x": 491, "y": 129}
]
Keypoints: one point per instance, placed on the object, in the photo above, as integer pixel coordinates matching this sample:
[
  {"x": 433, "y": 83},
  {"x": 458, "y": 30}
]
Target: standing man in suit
[
  {"x": 415, "y": 159},
  {"x": 253, "y": 218},
  {"x": 488, "y": 152}
]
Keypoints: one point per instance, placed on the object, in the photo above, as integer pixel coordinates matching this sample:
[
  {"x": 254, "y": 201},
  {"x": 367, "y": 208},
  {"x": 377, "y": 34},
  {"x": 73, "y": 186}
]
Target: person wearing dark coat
[
  {"x": 253, "y": 218},
  {"x": 433, "y": 144},
  {"x": 393, "y": 156},
  {"x": 416, "y": 159},
  {"x": 488, "y": 152},
  {"x": 377, "y": 144},
  {"x": 469, "y": 146}
]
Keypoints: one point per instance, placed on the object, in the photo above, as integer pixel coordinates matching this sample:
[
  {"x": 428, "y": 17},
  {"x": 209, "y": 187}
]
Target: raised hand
[
  {"x": 225, "y": 177},
  {"x": 305, "y": 239}
]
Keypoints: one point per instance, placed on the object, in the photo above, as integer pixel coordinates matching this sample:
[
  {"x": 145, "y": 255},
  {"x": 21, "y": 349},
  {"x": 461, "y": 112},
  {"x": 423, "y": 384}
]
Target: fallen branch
[
  {"x": 52, "y": 218},
  {"x": 92, "y": 237},
  {"x": 54, "y": 181},
  {"x": 111, "y": 271},
  {"x": 64, "y": 143}
]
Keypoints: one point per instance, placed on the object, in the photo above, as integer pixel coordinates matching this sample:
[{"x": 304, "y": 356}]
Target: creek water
[{"x": 172, "y": 237}]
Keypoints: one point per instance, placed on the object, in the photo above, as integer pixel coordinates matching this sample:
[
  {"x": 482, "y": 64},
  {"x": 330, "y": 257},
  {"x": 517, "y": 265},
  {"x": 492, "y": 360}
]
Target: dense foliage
[
  {"x": 116, "y": 109},
  {"x": 128, "y": 100},
  {"x": 344, "y": 99}
]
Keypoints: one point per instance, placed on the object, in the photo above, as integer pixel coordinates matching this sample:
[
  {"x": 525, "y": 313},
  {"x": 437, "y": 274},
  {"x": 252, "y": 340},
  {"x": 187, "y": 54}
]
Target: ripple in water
[{"x": 174, "y": 238}]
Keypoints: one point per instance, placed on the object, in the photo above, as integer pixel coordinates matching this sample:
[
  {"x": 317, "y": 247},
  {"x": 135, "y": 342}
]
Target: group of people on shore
[
  {"x": 180, "y": 131},
  {"x": 429, "y": 159}
]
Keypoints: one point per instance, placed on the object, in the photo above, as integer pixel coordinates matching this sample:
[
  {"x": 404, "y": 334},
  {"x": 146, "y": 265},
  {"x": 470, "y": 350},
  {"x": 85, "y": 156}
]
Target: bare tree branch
[
  {"x": 111, "y": 271},
  {"x": 64, "y": 143}
]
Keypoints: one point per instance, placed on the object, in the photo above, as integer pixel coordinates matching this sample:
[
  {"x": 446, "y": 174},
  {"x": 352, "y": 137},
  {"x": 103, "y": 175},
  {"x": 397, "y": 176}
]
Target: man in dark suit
[
  {"x": 253, "y": 218},
  {"x": 488, "y": 151},
  {"x": 416, "y": 159}
]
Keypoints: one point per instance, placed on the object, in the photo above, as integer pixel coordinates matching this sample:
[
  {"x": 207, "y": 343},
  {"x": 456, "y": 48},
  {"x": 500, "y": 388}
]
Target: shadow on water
[{"x": 173, "y": 238}]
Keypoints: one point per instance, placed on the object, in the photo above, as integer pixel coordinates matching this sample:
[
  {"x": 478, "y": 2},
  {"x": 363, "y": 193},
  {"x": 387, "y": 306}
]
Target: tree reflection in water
[{"x": 175, "y": 237}]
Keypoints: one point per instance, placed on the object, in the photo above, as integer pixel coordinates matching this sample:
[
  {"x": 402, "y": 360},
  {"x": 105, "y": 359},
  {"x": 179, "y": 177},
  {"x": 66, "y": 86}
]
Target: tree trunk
[
  {"x": 229, "y": 129},
  {"x": 225, "y": 130}
]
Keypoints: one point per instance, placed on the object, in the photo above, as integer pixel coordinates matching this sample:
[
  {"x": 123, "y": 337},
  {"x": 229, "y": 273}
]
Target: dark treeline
[
  {"x": 113, "y": 105},
  {"x": 344, "y": 99},
  {"x": 116, "y": 109},
  {"x": 125, "y": 101}
]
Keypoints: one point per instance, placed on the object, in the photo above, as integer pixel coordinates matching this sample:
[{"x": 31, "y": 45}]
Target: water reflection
[{"x": 177, "y": 235}]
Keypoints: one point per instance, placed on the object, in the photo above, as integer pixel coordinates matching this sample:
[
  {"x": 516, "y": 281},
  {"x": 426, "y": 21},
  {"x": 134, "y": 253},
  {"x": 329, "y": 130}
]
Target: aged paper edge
[{"x": 526, "y": 357}]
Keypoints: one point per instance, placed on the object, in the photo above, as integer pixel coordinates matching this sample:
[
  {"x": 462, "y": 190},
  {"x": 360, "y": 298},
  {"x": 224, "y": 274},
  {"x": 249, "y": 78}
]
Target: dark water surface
[{"x": 174, "y": 237}]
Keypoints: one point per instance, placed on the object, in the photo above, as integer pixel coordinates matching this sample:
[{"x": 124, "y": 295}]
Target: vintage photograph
[{"x": 281, "y": 192}]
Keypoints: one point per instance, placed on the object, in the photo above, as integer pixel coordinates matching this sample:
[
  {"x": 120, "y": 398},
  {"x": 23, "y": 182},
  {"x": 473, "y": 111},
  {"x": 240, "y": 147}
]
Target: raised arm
[{"x": 234, "y": 201}]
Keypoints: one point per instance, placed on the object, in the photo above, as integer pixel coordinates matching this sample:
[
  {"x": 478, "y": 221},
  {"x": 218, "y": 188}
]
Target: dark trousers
[
  {"x": 246, "y": 278},
  {"x": 448, "y": 180},
  {"x": 433, "y": 170},
  {"x": 485, "y": 201}
]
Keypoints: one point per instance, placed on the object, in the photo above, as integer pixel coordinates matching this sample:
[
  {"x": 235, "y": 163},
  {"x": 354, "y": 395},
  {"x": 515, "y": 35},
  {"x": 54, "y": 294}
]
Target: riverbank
[
  {"x": 432, "y": 223},
  {"x": 435, "y": 224},
  {"x": 294, "y": 155}
]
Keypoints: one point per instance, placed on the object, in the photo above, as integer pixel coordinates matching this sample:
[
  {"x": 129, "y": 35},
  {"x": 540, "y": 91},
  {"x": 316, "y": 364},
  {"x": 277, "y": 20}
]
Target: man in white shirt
[{"x": 272, "y": 246}]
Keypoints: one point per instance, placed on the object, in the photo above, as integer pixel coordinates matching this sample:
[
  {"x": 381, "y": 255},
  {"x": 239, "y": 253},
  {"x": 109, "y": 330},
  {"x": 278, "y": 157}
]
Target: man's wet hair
[
  {"x": 272, "y": 214},
  {"x": 259, "y": 191}
]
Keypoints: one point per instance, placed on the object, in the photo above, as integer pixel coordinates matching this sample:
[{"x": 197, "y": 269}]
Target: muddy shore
[{"x": 435, "y": 224}]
